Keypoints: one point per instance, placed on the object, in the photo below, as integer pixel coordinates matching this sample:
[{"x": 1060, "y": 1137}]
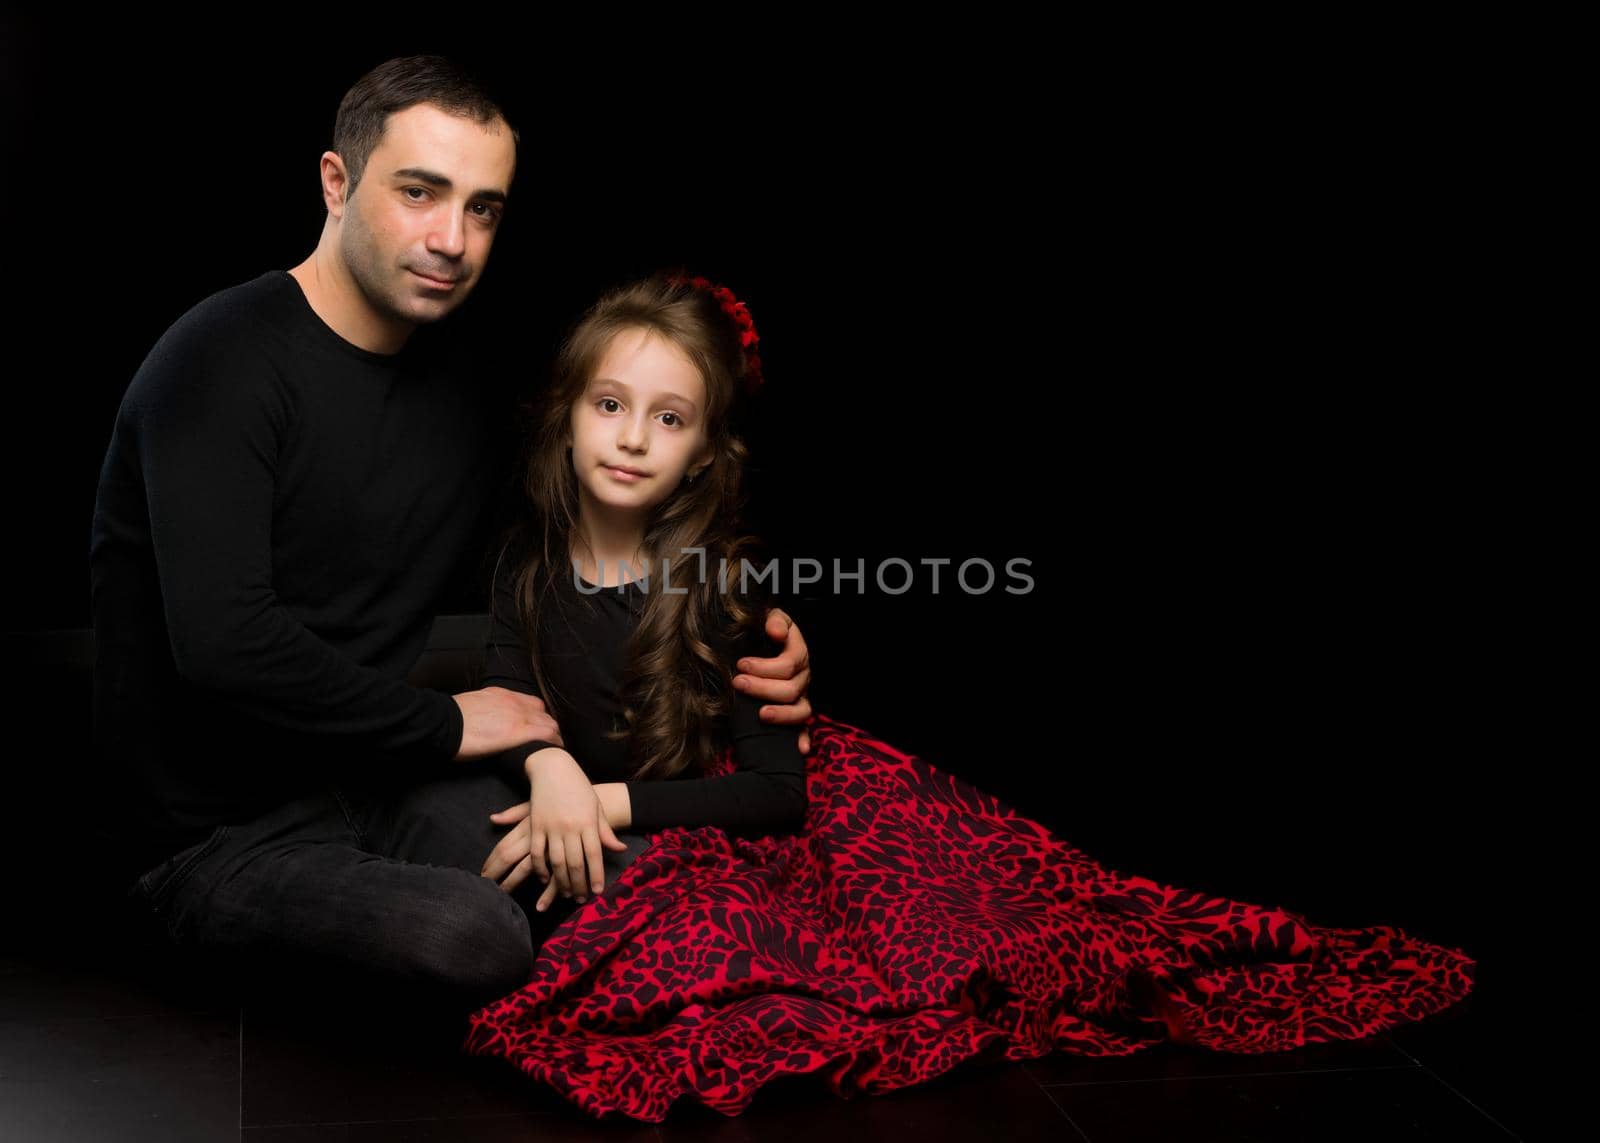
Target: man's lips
[{"x": 436, "y": 280}]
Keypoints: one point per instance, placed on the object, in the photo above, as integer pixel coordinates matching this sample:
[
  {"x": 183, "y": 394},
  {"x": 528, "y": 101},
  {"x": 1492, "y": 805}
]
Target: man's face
[{"x": 417, "y": 231}]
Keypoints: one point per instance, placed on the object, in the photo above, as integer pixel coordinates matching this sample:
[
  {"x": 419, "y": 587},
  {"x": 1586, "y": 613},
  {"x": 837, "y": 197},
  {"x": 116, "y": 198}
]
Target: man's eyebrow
[
  {"x": 434, "y": 179},
  {"x": 623, "y": 385}
]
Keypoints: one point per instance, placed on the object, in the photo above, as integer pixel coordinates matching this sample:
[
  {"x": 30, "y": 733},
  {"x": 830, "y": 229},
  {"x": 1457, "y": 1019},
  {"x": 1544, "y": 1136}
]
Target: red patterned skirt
[{"x": 914, "y": 923}]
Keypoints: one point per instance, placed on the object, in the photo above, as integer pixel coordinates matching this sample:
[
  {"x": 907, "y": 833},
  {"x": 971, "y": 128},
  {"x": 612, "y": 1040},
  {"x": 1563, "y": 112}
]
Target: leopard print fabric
[{"x": 914, "y": 923}]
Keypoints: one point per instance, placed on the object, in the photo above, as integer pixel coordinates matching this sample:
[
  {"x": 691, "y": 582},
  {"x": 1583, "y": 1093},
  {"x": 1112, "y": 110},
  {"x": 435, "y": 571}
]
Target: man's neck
[{"x": 335, "y": 298}]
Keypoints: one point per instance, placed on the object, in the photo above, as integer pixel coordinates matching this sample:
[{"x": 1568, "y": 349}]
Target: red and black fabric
[{"x": 914, "y": 923}]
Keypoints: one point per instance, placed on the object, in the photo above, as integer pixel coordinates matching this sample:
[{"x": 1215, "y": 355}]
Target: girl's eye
[
  {"x": 608, "y": 401},
  {"x": 677, "y": 420}
]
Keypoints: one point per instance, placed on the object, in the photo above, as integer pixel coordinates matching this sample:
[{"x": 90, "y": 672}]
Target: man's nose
[{"x": 449, "y": 235}]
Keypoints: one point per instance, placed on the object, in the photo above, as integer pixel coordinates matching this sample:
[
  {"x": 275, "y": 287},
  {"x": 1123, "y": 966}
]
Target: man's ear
[{"x": 335, "y": 184}]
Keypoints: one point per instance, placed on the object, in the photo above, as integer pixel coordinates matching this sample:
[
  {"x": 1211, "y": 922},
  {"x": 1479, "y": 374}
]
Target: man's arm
[
  {"x": 507, "y": 663},
  {"x": 209, "y": 429}
]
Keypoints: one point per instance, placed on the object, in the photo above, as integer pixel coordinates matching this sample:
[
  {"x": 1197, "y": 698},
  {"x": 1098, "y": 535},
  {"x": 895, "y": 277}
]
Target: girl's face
[{"x": 644, "y": 410}]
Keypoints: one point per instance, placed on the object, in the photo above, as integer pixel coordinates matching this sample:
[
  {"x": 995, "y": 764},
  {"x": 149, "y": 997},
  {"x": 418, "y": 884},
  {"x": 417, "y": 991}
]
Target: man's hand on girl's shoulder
[{"x": 783, "y": 680}]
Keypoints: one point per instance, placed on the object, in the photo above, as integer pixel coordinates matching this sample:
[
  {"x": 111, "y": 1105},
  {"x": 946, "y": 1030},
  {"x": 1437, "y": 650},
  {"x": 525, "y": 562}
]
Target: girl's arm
[
  {"x": 765, "y": 795},
  {"x": 615, "y": 804}
]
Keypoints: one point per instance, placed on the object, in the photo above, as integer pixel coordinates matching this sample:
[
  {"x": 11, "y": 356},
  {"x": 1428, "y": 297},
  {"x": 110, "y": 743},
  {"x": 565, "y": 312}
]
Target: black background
[{"x": 1211, "y": 360}]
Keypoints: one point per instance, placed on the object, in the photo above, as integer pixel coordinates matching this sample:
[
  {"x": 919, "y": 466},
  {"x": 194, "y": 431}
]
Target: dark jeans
[{"x": 367, "y": 882}]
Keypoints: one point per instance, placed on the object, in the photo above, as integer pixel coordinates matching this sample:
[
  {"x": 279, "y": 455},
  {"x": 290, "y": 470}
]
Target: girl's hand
[
  {"x": 783, "y": 680},
  {"x": 512, "y": 853},
  {"x": 565, "y": 827}
]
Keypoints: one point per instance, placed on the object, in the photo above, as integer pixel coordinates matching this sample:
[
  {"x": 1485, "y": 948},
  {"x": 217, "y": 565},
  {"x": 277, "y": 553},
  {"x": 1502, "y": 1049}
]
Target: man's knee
[
  {"x": 407, "y": 924},
  {"x": 483, "y": 948}
]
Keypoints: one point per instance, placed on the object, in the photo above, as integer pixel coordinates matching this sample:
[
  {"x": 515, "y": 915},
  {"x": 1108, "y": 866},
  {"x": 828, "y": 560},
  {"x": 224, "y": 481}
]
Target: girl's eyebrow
[{"x": 624, "y": 387}]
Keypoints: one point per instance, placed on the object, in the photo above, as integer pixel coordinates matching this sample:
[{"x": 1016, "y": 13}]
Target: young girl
[
  {"x": 856, "y": 912},
  {"x": 612, "y": 604}
]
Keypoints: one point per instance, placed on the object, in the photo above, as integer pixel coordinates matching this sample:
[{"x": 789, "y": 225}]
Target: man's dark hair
[{"x": 397, "y": 84}]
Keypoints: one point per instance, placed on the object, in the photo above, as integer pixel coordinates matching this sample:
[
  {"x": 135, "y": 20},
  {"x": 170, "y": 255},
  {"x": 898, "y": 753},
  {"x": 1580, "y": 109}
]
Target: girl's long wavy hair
[{"x": 675, "y": 682}]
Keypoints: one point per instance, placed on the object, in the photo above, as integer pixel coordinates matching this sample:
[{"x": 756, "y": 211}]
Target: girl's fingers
[
  {"x": 572, "y": 865},
  {"x": 503, "y": 856},
  {"x": 512, "y": 848},
  {"x": 557, "y": 861},
  {"x": 577, "y": 875},
  {"x": 518, "y": 875},
  {"x": 536, "y": 844},
  {"x": 546, "y": 897},
  {"x": 595, "y": 882}
]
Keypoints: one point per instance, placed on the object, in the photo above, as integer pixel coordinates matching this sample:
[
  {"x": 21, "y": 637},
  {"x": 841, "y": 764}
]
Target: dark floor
[{"x": 102, "y": 1043}]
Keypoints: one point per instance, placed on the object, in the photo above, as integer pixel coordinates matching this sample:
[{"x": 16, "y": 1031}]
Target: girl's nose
[{"x": 631, "y": 434}]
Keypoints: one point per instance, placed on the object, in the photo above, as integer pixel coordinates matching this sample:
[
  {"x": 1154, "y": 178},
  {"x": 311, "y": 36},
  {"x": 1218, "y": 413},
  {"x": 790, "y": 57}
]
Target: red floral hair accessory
[{"x": 739, "y": 313}]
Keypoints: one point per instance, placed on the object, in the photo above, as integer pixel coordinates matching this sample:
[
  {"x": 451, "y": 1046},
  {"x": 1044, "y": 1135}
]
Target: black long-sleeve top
[
  {"x": 278, "y": 513},
  {"x": 582, "y": 644}
]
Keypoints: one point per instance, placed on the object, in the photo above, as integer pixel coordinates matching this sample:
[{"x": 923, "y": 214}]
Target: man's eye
[
  {"x": 490, "y": 213},
  {"x": 410, "y": 189}
]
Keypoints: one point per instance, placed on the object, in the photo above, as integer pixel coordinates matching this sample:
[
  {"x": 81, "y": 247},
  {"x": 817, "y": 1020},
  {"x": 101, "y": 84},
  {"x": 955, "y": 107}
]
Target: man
[{"x": 282, "y": 503}]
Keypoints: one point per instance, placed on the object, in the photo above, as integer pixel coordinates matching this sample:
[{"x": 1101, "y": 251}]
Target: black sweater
[
  {"x": 278, "y": 513},
  {"x": 582, "y": 643}
]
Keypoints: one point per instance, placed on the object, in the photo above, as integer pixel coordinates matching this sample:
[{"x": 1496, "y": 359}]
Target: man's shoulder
[
  {"x": 231, "y": 333},
  {"x": 239, "y": 313}
]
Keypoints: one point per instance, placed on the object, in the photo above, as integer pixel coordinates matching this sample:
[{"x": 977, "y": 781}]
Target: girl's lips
[{"x": 625, "y": 477}]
